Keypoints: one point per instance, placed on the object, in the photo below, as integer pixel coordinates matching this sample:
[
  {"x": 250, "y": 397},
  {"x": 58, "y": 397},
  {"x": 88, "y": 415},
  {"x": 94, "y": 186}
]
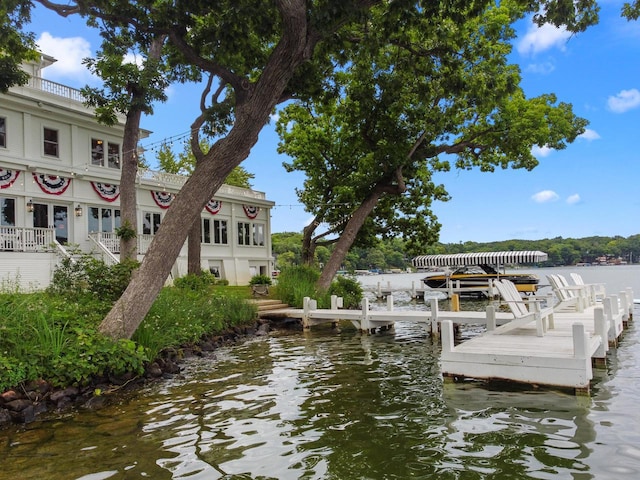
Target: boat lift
[{"x": 497, "y": 260}]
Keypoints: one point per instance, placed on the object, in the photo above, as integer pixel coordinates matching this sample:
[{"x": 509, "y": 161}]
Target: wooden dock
[{"x": 563, "y": 356}]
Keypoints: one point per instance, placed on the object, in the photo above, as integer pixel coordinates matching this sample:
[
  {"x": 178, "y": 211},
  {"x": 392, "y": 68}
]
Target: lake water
[{"x": 341, "y": 405}]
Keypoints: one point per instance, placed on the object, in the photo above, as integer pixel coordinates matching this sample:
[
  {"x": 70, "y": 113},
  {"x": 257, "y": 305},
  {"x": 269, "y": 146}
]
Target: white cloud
[
  {"x": 541, "y": 151},
  {"x": 538, "y": 39},
  {"x": 625, "y": 100},
  {"x": 545, "y": 196},
  {"x": 590, "y": 135},
  {"x": 69, "y": 53},
  {"x": 573, "y": 199},
  {"x": 540, "y": 68}
]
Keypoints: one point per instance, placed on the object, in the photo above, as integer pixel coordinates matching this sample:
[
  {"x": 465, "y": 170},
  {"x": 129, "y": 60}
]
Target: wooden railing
[{"x": 23, "y": 239}]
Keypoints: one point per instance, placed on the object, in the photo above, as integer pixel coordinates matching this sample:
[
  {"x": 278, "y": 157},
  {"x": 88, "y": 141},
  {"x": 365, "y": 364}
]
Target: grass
[{"x": 52, "y": 337}]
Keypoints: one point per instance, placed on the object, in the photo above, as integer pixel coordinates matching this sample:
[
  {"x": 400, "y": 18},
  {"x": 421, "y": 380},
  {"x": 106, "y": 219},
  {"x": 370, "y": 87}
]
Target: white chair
[
  {"x": 597, "y": 291},
  {"x": 542, "y": 316}
]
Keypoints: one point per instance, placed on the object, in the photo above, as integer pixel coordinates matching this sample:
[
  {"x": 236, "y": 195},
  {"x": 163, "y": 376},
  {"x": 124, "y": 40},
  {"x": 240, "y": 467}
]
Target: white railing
[
  {"x": 23, "y": 239},
  {"x": 56, "y": 89},
  {"x": 110, "y": 242},
  {"x": 164, "y": 179}
]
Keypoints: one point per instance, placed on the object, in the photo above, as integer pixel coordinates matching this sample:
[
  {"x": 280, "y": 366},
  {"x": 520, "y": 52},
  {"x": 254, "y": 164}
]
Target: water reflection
[{"x": 328, "y": 405}]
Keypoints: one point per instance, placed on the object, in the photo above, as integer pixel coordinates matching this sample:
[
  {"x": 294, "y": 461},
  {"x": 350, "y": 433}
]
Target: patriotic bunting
[
  {"x": 251, "y": 211},
  {"x": 52, "y": 184},
  {"x": 162, "y": 199},
  {"x": 7, "y": 177},
  {"x": 106, "y": 191},
  {"x": 213, "y": 206}
]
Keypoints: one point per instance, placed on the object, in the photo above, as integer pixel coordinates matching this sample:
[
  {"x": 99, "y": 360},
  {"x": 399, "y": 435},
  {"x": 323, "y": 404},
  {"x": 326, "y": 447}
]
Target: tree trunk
[
  {"x": 128, "y": 175},
  {"x": 308, "y": 245},
  {"x": 255, "y": 104},
  {"x": 346, "y": 240},
  {"x": 194, "y": 246}
]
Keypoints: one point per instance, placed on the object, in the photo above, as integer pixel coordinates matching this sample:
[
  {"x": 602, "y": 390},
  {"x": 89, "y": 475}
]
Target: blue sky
[{"x": 590, "y": 188}]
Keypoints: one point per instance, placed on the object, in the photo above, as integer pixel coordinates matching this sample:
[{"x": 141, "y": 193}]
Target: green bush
[
  {"x": 349, "y": 289},
  {"x": 74, "y": 277},
  {"x": 260, "y": 280},
  {"x": 195, "y": 282},
  {"x": 297, "y": 282}
]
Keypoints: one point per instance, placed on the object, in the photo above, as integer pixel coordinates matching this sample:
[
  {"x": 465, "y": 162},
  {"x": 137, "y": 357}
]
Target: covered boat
[{"x": 471, "y": 273}]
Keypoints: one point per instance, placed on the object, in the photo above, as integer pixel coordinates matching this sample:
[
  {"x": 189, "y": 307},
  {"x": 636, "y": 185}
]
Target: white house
[{"x": 59, "y": 176}]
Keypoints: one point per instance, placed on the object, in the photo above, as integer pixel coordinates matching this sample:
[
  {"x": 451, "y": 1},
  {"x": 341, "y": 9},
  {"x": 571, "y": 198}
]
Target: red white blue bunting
[
  {"x": 162, "y": 199},
  {"x": 7, "y": 177},
  {"x": 52, "y": 184},
  {"x": 106, "y": 191},
  {"x": 251, "y": 211},
  {"x": 213, "y": 206}
]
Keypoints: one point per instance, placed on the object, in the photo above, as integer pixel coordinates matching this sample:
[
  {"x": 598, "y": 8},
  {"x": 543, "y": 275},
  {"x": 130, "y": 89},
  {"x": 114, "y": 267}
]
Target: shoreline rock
[{"x": 27, "y": 402}]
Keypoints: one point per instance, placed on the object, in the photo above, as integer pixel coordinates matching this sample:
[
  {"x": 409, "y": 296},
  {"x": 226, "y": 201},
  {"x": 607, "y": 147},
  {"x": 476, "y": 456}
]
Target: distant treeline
[{"x": 391, "y": 254}]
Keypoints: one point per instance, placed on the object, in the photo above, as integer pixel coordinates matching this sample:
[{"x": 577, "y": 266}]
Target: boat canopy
[{"x": 481, "y": 258}]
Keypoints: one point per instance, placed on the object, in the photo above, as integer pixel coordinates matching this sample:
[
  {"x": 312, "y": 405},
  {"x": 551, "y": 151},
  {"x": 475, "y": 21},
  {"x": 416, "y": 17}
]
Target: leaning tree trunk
[
  {"x": 131, "y": 308},
  {"x": 128, "y": 207},
  {"x": 255, "y": 103},
  {"x": 348, "y": 236},
  {"x": 194, "y": 246}
]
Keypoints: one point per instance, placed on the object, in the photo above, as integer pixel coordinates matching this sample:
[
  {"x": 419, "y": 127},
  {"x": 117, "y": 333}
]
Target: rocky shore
[{"x": 27, "y": 402}]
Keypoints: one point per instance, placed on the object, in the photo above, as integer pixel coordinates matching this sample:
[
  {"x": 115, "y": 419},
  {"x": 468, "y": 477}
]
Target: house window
[
  {"x": 258, "y": 234},
  {"x": 51, "y": 142},
  {"x": 114, "y": 155},
  {"x": 214, "y": 231},
  {"x": 3, "y": 132},
  {"x": 250, "y": 234},
  {"x": 7, "y": 212},
  {"x": 220, "y": 232},
  {"x": 150, "y": 223},
  {"x": 244, "y": 233},
  {"x": 104, "y": 220},
  {"x": 98, "y": 153}
]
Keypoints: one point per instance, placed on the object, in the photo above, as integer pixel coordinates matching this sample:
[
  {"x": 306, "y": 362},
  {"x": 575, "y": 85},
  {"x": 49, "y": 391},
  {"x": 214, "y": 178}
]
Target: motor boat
[
  {"x": 471, "y": 273},
  {"x": 471, "y": 278}
]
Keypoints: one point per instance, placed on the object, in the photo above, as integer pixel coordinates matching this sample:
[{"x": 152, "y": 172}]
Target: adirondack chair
[
  {"x": 542, "y": 316},
  {"x": 596, "y": 291},
  {"x": 570, "y": 298}
]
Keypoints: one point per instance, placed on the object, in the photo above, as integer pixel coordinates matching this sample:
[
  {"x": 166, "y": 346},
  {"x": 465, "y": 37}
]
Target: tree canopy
[{"x": 437, "y": 93}]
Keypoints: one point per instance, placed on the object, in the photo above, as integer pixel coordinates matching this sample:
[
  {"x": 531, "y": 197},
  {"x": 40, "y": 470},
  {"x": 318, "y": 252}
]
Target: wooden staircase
[{"x": 268, "y": 308}]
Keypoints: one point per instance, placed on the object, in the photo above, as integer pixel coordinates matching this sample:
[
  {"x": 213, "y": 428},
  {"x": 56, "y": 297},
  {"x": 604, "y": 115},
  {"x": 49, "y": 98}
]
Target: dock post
[
  {"x": 390, "y": 303},
  {"x": 600, "y": 328},
  {"x": 414, "y": 294},
  {"x": 434, "y": 317},
  {"x": 491, "y": 317},
  {"x": 580, "y": 349},
  {"x": 305, "y": 313},
  {"x": 336, "y": 302},
  {"x": 447, "y": 339},
  {"x": 624, "y": 306},
  {"x": 455, "y": 302},
  {"x": 364, "y": 323}
]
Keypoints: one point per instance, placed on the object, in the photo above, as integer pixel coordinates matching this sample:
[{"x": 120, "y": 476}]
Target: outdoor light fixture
[
  {"x": 29, "y": 206},
  {"x": 78, "y": 211}
]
